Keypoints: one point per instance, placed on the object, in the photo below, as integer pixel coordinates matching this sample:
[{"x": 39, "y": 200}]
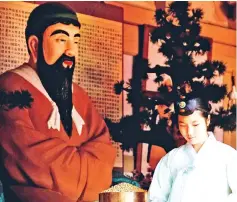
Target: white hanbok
[{"x": 186, "y": 176}]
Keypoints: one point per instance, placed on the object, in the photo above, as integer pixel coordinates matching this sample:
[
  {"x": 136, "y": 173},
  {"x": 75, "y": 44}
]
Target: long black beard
[{"x": 57, "y": 81}]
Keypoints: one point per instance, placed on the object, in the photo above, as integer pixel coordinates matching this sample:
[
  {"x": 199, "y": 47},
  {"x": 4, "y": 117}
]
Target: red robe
[{"x": 76, "y": 167}]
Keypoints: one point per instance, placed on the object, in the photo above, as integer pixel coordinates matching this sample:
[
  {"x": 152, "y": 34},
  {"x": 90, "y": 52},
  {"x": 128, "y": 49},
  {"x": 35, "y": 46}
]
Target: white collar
[
  {"x": 31, "y": 76},
  {"x": 204, "y": 152}
]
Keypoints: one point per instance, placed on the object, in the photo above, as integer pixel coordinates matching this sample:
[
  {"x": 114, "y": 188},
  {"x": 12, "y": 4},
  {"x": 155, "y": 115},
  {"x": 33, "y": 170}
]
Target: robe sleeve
[
  {"x": 33, "y": 157},
  {"x": 97, "y": 152},
  {"x": 161, "y": 183},
  {"x": 232, "y": 176}
]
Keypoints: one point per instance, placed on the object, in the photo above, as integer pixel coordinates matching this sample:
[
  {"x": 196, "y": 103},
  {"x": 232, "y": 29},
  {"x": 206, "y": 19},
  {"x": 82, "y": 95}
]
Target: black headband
[
  {"x": 60, "y": 15},
  {"x": 46, "y": 20},
  {"x": 187, "y": 107}
]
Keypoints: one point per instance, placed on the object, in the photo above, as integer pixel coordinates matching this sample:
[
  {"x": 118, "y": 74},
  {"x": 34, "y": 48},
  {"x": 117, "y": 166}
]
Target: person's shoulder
[
  {"x": 5, "y": 76},
  {"x": 225, "y": 149},
  {"x": 80, "y": 97},
  {"x": 171, "y": 155},
  {"x": 225, "y": 153},
  {"x": 10, "y": 81},
  {"x": 177, "y": 150},
  {"x": 78, "y": 90}
]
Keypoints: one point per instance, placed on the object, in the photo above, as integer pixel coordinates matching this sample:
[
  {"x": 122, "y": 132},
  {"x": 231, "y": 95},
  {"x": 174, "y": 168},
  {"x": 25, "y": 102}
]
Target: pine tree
[
  {"x": 10, "y": 100},
  {"x": 178, "y": 33}
]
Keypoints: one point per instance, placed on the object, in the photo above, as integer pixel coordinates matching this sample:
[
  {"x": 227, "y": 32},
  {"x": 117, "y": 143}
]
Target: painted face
[
  {"x": 56, "y": 59},
  {"x": 193, "y": 127},
  {"x": 59, "y": 39}
]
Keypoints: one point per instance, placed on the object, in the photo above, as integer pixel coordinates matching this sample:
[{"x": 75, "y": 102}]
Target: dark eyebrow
[
  {"x": 59, "y": 31},
  {"x": 77, "y": 35},
  {"x": 195, "y": 121},
  {"x": 181, "y": 122}
]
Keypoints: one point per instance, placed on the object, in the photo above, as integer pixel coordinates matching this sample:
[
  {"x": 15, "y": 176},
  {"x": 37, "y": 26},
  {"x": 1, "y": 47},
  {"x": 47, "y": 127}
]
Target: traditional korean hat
[{"x": 48, "y": 14}]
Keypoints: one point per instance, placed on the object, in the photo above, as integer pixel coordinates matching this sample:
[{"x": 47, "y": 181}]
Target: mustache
[
  {"x": 58, "y": 65},
  {"x": 67, "y": 58}
]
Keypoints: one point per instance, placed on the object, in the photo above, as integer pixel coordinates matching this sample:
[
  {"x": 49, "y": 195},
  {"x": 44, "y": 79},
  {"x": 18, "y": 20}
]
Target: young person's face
[
  {"x": 193, "y": 127},
  {"x": 59, "y": 39}
]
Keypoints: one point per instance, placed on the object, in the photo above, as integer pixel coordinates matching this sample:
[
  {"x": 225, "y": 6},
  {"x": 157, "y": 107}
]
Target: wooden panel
[
  {"x": 213, "y": 12},
  {"x": 92, "y": 8},
  {"x": 130, "y": 39},
  {"x": 230, "y": 62},
  {"x": 225, "y": 53},
  {"x": 227, "y": 79},
  {"x": 148, "y": 5},
  {"x": 139, "y": 16},
  {"x": 136, "y": 15},
  {"x": 156, "y": 154},
  {"x": 219, "y": 34},
  {"x": 230, "y": 139},
  {"x": 139, "y": 157},
  {"x": 224, "y": 49}
]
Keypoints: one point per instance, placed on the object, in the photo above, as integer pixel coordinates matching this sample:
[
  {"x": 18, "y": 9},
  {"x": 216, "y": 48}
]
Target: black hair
[
  {"x": 48, "y": 14},
  {"x": 187, "y": 105}
]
